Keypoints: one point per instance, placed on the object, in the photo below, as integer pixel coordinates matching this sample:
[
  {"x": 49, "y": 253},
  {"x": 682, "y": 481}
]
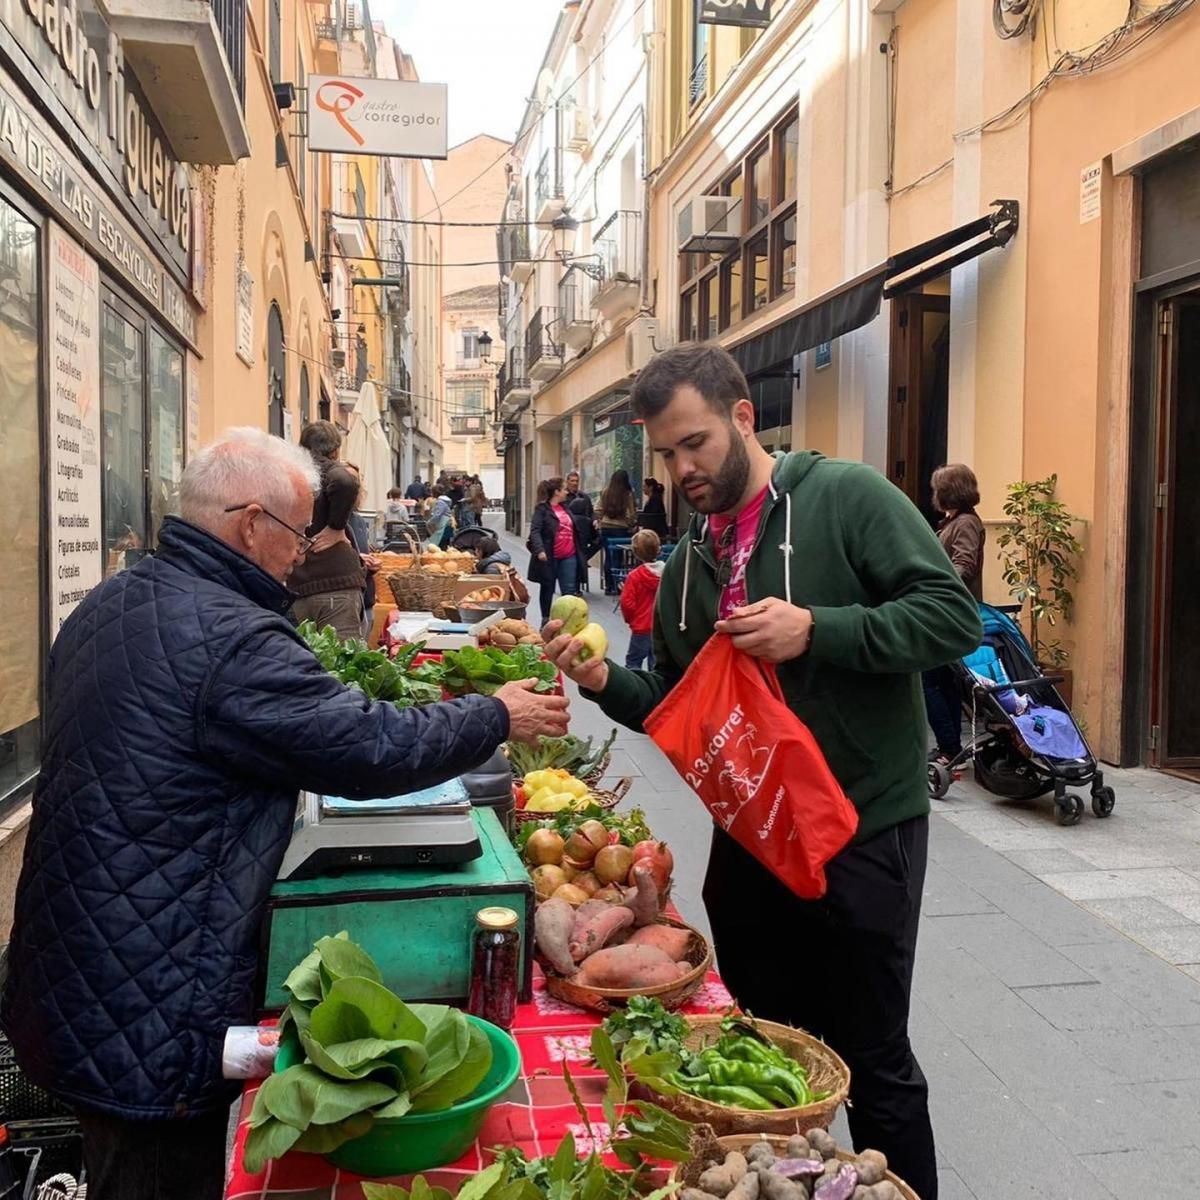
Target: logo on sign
[
  {"x": 753, "y": 14},
  {"x": 340, "y": 98}
]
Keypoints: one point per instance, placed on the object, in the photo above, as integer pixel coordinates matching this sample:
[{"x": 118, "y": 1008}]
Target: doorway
[
  {"x": 1174, "y": 698},
  {"x": 918, "y": 394}
]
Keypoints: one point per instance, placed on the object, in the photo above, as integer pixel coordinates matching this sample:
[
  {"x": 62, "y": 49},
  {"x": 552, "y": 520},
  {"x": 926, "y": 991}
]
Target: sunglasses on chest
[{"x": 725, "y": 554}]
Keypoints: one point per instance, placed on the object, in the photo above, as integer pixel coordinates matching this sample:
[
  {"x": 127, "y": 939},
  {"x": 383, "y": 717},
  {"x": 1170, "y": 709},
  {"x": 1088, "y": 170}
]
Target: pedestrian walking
[
  {"x": 826, "y": 569},
  {"x": 616, "y": 518},
  {"x": 329, "y": 582},
  {"x": 638, "y": 596},
  {"x": 553, "y": 545},
  {"x": 417, "y": 490},
  {"x": 955, "y": 495}
]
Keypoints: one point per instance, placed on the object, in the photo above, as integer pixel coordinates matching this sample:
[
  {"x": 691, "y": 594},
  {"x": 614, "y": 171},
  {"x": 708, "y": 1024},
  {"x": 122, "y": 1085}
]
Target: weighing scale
[{"x": 429, "y": 828}]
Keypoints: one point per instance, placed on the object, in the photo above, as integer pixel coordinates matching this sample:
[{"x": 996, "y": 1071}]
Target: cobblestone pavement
[{"x": 1056, "y": 1006}]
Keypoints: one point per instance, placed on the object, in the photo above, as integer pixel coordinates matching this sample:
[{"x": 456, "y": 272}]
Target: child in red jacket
[{"x": 637, "y": 599}]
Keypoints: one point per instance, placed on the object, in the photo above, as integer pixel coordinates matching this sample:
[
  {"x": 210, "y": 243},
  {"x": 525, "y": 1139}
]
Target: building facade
[{"x": 471, "y": 185}]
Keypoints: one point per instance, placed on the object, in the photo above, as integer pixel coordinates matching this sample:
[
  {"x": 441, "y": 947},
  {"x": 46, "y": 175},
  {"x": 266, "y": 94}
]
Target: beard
[{"x": 727, "y": 487}]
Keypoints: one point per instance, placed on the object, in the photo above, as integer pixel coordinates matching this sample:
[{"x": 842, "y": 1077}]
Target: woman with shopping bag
[{"x": 791, "y": 627}]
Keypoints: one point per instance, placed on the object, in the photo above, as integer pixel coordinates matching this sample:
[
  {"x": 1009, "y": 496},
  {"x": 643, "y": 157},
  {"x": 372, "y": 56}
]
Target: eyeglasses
[
  {"x": 725, "y": 554},
  {"x": 305, "y": 543}
]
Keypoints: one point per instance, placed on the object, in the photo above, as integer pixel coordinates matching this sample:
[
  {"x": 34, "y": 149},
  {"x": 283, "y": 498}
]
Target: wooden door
[
  {"x": 1175, "y": 697},
  {"x": 918, "y": 394}
]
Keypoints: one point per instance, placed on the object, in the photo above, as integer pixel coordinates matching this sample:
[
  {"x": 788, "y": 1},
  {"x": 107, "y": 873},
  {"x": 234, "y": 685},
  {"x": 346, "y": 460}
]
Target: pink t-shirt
[
  {"x": 564, "y": 540},
  {"x": 745, "y": 528}
]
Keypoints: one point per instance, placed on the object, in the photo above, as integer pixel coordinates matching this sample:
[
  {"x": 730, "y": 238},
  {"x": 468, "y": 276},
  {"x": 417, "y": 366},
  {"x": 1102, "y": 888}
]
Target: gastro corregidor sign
[{"x": 376, "y": 116}]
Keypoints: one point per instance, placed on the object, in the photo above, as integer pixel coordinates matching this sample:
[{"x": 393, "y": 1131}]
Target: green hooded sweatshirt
[{"x": 840, "y": 540}]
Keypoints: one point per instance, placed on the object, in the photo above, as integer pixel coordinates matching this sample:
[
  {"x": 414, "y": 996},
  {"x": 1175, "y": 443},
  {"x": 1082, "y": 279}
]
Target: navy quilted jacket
[{"x": 184, "y": 715}]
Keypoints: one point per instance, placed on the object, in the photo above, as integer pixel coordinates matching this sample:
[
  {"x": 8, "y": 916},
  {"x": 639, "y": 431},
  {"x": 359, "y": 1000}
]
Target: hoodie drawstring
[
  {"x": 687, "y": 577},
  {"x": 786, "y": 548}
]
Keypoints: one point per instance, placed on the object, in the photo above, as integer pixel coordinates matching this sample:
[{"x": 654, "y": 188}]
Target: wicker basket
[
  {"x": 826, "y": 1073},
  {"x": 407, "y": 582},
  {"x": 607, "y": 800},
  {"x": 670, "y": 995},
  {"x": 708, "y": 1147}
]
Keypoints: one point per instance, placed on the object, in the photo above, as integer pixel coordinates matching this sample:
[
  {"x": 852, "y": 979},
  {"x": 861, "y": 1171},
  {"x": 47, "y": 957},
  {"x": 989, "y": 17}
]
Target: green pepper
[
  {"x": 734, "y": 1097},
  {"x": 777, "y": 1096},
  {"x": 751, "y": 1074}
]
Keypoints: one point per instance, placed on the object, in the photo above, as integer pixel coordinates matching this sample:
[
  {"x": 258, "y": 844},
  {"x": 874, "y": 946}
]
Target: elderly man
[{"x": 184, "y": 715}]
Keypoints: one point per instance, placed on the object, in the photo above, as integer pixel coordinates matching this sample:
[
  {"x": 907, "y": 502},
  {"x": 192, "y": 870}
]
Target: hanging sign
[
  {"x": 749, "y": 14},
  {"x": 1091, "y": 179},
  {"x": 377, "y": 116},
  {"x": 76, "y": 565},
  {"x": 823, "y": 355}
]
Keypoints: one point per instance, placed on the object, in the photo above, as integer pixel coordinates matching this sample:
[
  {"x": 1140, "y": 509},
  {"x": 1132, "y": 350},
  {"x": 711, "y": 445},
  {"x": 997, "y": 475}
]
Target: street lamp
[
  {"x": 565, "y": 229},
  {"x": 566, "y": 235},
  {"x": 485, "y": 347}
]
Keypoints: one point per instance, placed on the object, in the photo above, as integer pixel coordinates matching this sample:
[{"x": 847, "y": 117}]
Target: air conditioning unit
[
  {"x": 337, "y": 359},
  {"x": 641, "y": 343},
  {"x": 710, "y": 224}
]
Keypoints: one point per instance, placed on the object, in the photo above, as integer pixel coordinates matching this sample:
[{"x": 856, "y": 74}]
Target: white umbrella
[{"x": 367, "y": 447}]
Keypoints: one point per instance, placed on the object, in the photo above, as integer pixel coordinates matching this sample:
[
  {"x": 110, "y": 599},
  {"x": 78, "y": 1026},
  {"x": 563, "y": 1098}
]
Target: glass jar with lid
[{"x": 495, "y": 966}]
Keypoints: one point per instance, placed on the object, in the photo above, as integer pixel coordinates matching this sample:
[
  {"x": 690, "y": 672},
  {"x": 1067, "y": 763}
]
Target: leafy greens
[
  {"x": 367, "y": 1056},
  {"x": 372, "y": 672}
]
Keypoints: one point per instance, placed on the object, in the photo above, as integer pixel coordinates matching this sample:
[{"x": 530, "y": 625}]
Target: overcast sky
[{"x": 485, "y": 51}]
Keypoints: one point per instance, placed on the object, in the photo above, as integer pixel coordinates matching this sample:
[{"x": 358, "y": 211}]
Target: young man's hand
[
  {"x": 771, "y": 629},
  {"x": 563, "y": 650}
]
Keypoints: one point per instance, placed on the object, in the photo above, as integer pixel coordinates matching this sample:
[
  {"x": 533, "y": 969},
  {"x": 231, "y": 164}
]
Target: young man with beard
[{"x": 826, "y": 569}]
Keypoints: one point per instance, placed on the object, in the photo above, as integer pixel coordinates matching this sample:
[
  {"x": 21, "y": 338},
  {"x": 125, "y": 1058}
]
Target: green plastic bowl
[{"x": 422, "y": 1141}]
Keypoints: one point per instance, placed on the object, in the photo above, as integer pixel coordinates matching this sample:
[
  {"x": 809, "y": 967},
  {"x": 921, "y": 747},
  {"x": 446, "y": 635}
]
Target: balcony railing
[
  {"x": 469, "y": 425},
  {"x": 230, "y": 16},
  {"x": 619, "y": 244},
  {"x": 540, "y": 345},
  {"x": 514, "y": 376},
  {"x": 548, "y": 184}
]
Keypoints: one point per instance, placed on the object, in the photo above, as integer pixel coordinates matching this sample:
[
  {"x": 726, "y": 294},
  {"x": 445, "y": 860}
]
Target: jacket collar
[{"x": 199, "y": 553}]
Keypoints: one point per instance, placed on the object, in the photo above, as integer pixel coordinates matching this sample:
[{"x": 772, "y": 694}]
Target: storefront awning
[{"x": 856, "y": 302}]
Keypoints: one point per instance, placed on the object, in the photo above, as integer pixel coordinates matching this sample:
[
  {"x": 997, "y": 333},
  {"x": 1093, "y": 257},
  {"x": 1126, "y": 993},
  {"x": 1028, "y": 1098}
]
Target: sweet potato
[
  {"x": 627, "y": 967},
  {"x": 671, "y": 941},
  {"x": 596, "y": 932},
  {"x": 552, "y": 925},
  {"x": 642, "y": 898}
]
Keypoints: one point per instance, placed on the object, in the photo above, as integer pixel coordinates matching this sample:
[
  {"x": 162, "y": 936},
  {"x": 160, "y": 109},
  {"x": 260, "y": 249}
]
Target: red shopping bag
[{"x": 759, "y": 771}]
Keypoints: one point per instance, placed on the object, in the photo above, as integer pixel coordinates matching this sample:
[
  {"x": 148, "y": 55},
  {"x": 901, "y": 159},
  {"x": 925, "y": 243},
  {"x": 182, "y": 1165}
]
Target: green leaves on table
[
  {"x": 569, "y": 753},
  {"x": 372, "y": 672},
  {"x": 486, "y": 671},
  {"x": 367, "y": 1056}
]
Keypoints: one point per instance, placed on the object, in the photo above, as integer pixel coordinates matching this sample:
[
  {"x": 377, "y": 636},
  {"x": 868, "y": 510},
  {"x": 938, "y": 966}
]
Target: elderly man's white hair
[{"x": 243, "y": 466}]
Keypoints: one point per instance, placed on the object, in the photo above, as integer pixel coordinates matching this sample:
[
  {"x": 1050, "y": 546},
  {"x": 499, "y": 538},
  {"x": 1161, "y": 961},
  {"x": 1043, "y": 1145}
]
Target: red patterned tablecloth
[{"x": 534, "y": 1115}]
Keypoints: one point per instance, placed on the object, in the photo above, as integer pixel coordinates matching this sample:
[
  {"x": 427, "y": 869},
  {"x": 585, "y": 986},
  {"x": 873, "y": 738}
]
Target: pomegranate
[
  {"x": 547, "y": 880},
  {"x": 586, "y": 842},
  {"x": 660, "y": 860},
  {"x": 573, "y": 895}
]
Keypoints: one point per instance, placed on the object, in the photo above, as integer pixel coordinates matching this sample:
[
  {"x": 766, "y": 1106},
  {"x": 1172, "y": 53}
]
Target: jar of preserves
[{"x": 495, "y": 966}]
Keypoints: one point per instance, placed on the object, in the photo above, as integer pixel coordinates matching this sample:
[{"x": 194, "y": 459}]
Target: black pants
[
  {"x": 840, "y": 968},
  {"x": 943, "y": 709},
  {"x": 155, "y": 1160}
]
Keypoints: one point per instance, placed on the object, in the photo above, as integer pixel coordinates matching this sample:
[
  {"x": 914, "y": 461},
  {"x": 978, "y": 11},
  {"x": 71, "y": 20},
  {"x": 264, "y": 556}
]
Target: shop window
[
  {"x": 760, "y": 187},
  {"x": 166, "y": 428},
  {"x": 20, "y": 535},
  {"x": 276, "y": 371},
  {"x": 786, "y": 145},
  {"x": 123, "y": 369},
  {"x": 784, "y": 241}
]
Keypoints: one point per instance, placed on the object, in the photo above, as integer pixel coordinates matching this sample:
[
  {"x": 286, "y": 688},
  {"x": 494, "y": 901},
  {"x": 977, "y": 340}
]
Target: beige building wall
[
  {"x": 256, "y": 219},
  {"x": 426, "y": 321}
]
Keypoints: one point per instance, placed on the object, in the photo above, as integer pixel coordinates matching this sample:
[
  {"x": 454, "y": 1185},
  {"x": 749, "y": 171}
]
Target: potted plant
[{"x": 1039, "y": 554}]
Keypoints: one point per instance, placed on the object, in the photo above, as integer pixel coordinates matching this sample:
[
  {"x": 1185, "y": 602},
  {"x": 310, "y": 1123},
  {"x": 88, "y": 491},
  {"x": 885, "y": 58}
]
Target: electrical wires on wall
[{"x": 1014, "y": 18}]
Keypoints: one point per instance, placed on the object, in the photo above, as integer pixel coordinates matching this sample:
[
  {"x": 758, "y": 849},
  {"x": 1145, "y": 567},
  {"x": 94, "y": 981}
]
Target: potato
[
  {"x": 720, "y": 1181},
  {"x": 627, "y": 968},
  {"x": 504, "y": 639},
  {"x": 871, "y": 1167}
]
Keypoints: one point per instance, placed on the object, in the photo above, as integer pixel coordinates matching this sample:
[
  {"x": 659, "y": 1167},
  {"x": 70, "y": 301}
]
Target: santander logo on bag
[{"x": 755, "y": 765}]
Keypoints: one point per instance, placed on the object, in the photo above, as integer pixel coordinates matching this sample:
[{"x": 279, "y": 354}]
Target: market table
[{"x": 533, "y": 1116}]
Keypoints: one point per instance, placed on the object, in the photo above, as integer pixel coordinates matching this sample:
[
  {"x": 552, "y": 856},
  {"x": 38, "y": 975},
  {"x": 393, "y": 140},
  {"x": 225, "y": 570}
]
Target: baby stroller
[{"x": 1024, "y": 741}]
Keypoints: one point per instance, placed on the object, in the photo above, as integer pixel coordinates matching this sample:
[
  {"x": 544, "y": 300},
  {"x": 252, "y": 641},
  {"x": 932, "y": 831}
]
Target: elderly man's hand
[
  {"x": 563, "y": 650},
  {"x": 530, "y": 714}
]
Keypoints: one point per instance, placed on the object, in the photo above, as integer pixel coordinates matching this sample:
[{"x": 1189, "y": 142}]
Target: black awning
[{"x": 856, "y": 303}]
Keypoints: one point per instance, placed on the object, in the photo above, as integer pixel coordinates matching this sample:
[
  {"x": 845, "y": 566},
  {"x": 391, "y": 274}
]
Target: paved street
[{"x": 1057, "y": 999}]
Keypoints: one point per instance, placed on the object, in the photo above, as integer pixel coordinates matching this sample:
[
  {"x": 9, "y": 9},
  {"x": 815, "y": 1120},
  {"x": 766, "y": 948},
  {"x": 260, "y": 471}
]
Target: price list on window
[{"x": 74, "y": 423}]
